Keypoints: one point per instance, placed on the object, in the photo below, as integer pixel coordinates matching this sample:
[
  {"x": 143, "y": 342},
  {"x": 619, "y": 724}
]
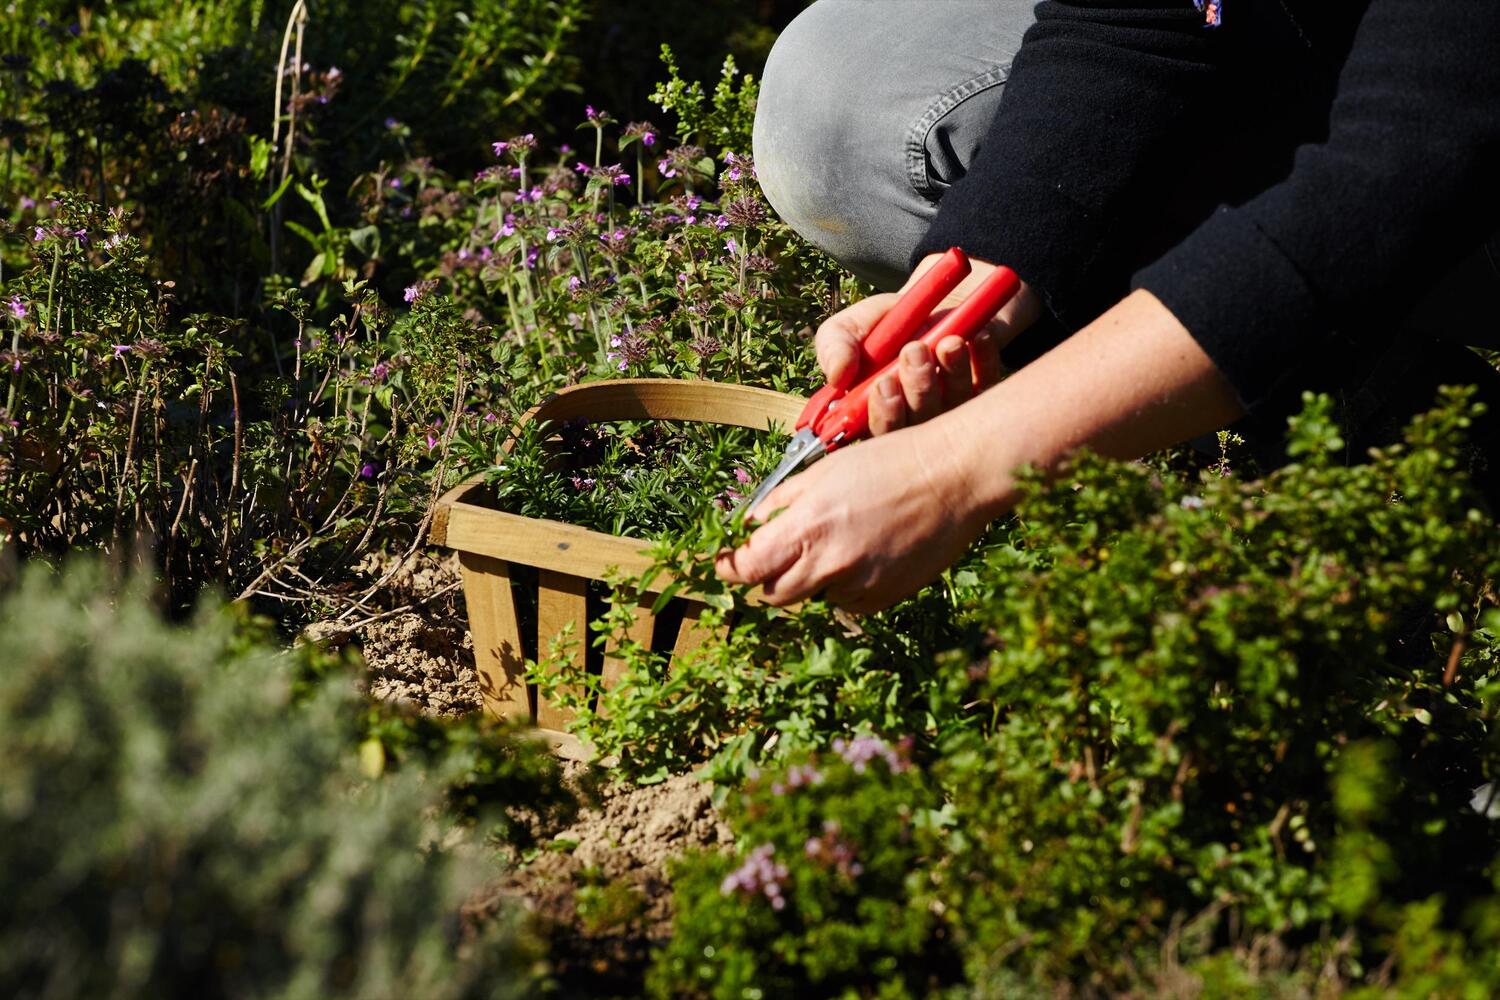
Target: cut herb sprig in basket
[{"x": 630, "y": 477}]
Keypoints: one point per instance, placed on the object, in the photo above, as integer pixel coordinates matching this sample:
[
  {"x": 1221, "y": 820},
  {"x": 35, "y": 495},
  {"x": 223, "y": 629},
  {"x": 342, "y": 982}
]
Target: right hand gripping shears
[{"x": 839, "y": 412}]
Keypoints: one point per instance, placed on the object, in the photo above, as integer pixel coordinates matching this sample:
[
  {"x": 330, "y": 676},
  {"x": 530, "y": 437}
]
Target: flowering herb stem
[{"x": 640, "y": 174}]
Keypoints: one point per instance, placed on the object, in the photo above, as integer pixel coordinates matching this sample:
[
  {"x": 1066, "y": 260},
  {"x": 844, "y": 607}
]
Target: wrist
[{"x": 972, "y": 468}]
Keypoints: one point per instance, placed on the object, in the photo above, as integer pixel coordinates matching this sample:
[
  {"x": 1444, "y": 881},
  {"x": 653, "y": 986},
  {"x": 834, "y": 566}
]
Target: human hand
[
  {"x": 928, "y": 382},
  {"x": 866, "y": 526}
]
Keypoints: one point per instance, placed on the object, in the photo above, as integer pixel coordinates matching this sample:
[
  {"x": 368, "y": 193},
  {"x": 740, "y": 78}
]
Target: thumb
[{"x": 838, "y": 339}]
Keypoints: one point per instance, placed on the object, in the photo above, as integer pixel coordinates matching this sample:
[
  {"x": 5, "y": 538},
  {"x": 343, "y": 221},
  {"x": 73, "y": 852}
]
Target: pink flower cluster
[
  {"x": 859, "y": 751},
  {"x": 797, "y": 776},
  {"x": 760, "y": 875},
  {"x": 833, "y": 851}
]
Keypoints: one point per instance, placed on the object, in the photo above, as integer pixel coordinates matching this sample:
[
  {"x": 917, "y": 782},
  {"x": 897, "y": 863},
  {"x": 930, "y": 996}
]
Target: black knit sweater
[{"x": 1305, "y": 170}]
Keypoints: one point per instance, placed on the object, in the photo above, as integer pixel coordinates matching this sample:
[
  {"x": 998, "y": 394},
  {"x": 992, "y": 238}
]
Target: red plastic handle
[
  {"x": 894, "y": 331},
  {"x": 850, "y": 417}
]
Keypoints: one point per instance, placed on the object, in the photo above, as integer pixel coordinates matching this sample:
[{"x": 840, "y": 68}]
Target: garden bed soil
[{"x": 418, "y": 650}]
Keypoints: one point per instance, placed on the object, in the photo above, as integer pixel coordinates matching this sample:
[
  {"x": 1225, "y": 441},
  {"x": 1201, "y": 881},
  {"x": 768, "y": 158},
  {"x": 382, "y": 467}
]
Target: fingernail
[
  {"x": 912, "y": 355},
  {"x": 890, "y": 388}
]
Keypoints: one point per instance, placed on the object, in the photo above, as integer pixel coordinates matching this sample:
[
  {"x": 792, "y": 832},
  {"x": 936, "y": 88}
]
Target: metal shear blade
[{"x": 804, "y": 446}]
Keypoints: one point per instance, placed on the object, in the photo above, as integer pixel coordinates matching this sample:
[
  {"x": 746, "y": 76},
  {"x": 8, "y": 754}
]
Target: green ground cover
[{"x": 270, "y": 284}]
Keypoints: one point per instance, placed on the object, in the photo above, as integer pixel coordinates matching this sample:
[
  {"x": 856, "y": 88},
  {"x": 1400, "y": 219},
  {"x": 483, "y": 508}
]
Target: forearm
[{"x": 1131, "y": 382}]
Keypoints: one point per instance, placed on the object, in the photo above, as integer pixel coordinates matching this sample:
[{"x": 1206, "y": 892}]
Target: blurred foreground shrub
[{"x": 174, "y": 822}]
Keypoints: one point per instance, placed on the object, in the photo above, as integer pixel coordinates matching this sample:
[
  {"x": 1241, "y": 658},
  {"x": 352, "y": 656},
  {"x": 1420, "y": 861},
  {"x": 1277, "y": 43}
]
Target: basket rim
[{"x": 462, "y": 524}]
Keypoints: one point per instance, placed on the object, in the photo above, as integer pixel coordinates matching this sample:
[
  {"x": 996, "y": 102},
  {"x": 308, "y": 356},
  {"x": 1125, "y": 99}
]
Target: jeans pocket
[{"x": 969, "y": 125}]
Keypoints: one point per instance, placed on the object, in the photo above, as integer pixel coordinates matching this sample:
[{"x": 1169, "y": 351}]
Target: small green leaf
[{"x": 276, "y": 195}]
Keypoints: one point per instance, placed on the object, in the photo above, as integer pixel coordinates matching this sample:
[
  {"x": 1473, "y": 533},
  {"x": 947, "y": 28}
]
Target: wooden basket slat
[
  {"x": 499, "y": 659},
  {"x": 641, "y": 630},
  {"x": 549, "y": 545},
  {"x": 691, "y": 634},
  {"x": 562, "y": 599}
]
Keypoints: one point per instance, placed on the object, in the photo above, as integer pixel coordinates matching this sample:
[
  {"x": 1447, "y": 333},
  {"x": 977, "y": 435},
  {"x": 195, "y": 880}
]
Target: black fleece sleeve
[
  {"x": 1403, "y": 187},
  {"x": 1099, "y": 93}
]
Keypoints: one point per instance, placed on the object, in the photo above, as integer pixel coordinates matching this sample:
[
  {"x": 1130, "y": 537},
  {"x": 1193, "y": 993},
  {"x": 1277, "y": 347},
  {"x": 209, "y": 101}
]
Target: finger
[
  {"x": 779, "y": 499},
  {"x": 770, "y": 551},
  {"x": 919, "y": 383},
  {"x": 837, "y": 341},
  {"x": 887, "y": 406},
  {"x": 956, "y": 372},
  {"x": 984, "y": 360},
  {"x": 798, "y": 582}
]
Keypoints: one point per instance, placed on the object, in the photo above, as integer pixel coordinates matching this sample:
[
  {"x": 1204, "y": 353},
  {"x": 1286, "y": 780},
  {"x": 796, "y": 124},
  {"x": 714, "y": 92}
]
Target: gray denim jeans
[{"x": 870, "y": 109}]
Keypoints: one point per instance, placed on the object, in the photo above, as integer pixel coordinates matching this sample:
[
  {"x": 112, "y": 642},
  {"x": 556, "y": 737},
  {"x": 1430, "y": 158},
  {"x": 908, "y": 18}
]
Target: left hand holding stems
[{"x": 866, "y": 526}]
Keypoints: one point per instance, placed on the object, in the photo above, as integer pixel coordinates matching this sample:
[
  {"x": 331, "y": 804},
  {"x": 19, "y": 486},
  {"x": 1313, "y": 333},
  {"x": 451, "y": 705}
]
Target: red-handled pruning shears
[{"x": 839, "y": 413}]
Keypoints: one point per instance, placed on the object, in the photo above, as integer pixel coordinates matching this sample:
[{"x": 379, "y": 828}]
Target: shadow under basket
[{"x": 525, "y": 579}]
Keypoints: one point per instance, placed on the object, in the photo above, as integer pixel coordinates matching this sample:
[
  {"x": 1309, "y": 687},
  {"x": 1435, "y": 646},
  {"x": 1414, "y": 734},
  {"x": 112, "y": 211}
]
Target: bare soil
[{"x": 599, "y": 892}]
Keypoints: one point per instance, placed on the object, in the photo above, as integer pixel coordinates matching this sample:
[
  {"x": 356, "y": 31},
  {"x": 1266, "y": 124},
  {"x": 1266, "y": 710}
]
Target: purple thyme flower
[
  {"x": 721, "y": 223},
  {"x": 859, "y": 751},
  {"x": 380, "y": 371},
  {"x": 518, "y": 146},
  {"x": 368, "y": 471},
  {"x": 731, "y": 247},
  {"x": 740, "y": 166},
  {"x": 415, "y": 293},
  {"x": 121, "y": 349},
  {"x": 612, "y": 174},
  {"x": 741, "y": 476},
  {"x": 833, "y": 851},
  {"x": 16, "y": 307},
  {"x": 644, "y": 131},
  {"x": 760, "y": 874},
  {"x": 798, "y": 775},
  {"x": 392, "y": 123},
  {"x": 745, "y": 212}
]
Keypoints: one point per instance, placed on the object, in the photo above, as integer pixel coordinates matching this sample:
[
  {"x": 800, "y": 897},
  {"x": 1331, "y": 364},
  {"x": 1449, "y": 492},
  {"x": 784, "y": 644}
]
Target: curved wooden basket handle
[
  {"x": 631, "y": 399},
  {"x": 667, "y": 399}
]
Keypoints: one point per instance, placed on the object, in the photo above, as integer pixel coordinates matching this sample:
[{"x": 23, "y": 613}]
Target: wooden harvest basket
[{"x": 499, "y": 552}]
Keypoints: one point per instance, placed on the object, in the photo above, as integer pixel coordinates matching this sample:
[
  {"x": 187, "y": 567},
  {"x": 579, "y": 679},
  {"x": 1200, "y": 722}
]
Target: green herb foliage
[
  {"x": 180, "y": 819},
  {"x": 1256, "y": 708}
]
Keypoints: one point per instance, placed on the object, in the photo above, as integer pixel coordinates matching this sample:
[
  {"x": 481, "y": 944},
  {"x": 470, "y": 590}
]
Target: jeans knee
[{"x": 801, "y": 130}]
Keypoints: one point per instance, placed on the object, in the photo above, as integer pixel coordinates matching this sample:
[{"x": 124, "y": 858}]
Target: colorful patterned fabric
[{"x": 1213, "y": 11}]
